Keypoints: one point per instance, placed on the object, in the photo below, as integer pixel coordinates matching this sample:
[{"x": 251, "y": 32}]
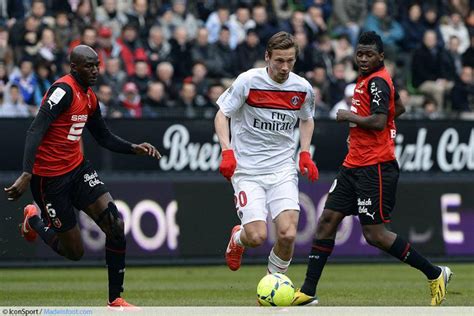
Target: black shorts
[
  {"x": 58, "y": 196},
  {"x": 358, "y": 191}
]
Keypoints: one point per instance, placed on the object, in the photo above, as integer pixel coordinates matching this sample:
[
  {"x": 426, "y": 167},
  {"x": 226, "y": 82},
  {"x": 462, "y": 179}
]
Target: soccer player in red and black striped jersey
[
  {"x": 61, "y": 179},
  {"x": 367, "y": 181}
]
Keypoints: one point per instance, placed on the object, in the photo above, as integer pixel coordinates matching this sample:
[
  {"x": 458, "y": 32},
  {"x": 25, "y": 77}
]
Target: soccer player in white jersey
[{"x": 264, "y": 105}]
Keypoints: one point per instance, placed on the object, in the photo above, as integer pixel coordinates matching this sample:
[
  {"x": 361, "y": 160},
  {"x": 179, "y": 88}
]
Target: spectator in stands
[
  {"x": 345, "y": 103},
  {"x": 130, "y": 101},
  {"x": 141, "y": 77},
  {"x": 21, "y": 28},
  {"x": 24, "y": 78},
  {"x": 3, "y": 79},
  {"x": 62, "y": 31},
  {"x": 38, "y": 10},
  {"x": 88, "y": 37},
  {"x": 113, "y": 76},
  {"x": 154, "y": 103},
  {"x": 107, "y": 47},
  {"x": 239, "y": 24},
  {"x": 382, "y": 23},
  {"x": 200, "y": 80},
  {"x": 430, "y": 69},
  {"x": 321, "y": 109},
  {"x": 296, "y": 24},
  {"x": 342, "y": 48},
  {"x": 6, "y": 52},
  {"x": 454, "y": 58},
  {"x": 214, "y": 92},
  {"x": 82, "y": 17},
  {"x": 216, "y": 21},
  {"x": 13, "y": 104},
  {"x": 108, "y": 15},
  {"x": 462, "y": 95},
  {"x": 305, "y": 58},
  {"x": 320, "y": 80},
  {"x": 315, "y": 22},
  {"x": 430, "y": 21},
  {"x": 131, "y": 48},
  {"x": 223, "y": 56},
  {"x": 47, "y": 46},
  {"x": 454, "y": 26},
  {"x": 44, "y": 79},
  {"x": 164, "y": 74},
  {"x": 264, "y": 28},
  {"x": 157, "y": 48},
  {"x": 165, "y": 21},
  {"x": 201, "y": 50},
  {"x": 431, "y": 111},
  {"x": 12, "y": 11},
  {"x": 470, "y": 21},
  {"x": 180, "y": 55},
  {"x": 413, "y": 28},
  {"x": 187, "y": 101},
  {"x": 324, "y": 54},
  {"x": 108, "y": 104},
  {"x": 468, "y": 56},
  {"x": 348, "y": 17},
  {"x": 337, "y": 84},
  {"x": 141, "y": 16},
  {"x": 248, "y": 52},
  {"x": 183, "y": 18}
]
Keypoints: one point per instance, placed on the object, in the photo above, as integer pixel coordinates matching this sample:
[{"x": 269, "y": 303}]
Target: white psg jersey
[{"x": 263, "y": 117}]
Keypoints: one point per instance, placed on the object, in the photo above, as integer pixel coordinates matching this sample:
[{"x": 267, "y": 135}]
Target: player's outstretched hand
[
  {"x": 228, "y": 164},
  {"x": 19, "y": 187},
  {"x": 146, "y": 149},
  {"x": 308, "y": 166}
]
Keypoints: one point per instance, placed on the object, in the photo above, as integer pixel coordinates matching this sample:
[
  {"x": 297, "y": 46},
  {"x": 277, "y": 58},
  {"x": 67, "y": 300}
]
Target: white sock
[
  {"x": 237, "y": 238},
  {"x": 276, "y": 264}
]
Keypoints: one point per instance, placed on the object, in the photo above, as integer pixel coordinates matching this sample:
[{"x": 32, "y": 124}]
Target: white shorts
[{"x": 255, "y": 195}]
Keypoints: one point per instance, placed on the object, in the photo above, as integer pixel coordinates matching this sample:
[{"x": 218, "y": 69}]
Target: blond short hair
[{"x": 281, "y": 40}]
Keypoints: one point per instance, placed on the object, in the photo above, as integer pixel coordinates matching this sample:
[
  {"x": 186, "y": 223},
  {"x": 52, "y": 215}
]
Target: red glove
[
  {"x": 228, "y": 164},
  {"x": 306, "y": 164}
]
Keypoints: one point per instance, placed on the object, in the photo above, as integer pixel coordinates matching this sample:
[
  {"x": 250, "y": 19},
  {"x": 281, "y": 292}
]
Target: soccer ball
[{"x": 275, "y": 290}]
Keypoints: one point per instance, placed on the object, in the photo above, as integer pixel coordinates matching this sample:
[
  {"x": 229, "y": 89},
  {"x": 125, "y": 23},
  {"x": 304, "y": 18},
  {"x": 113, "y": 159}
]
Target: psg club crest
[{"x": 295, "y": 100}]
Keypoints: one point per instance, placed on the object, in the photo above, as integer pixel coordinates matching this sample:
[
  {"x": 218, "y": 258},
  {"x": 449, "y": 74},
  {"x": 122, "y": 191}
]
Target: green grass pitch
[{"x": 341, "y": 285}]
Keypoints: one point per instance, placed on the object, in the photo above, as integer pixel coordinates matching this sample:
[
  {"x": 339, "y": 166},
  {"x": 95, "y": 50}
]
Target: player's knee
[
  {"x": 327, "y": 225},
  {"x": 287, "y": 236},
  {"x": 116, "y": 232},
  {"x": 373, "y": 237},
  {"x": 255, "y": 239},
  {"x": 114, "y": 226}
]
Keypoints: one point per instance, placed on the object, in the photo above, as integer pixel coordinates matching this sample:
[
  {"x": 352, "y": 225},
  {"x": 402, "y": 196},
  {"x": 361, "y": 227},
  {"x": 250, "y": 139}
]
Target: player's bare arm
[
  {"x": 374, "y": 122},
  {"x": 306, "y": 133},
  {"x": 221, "y": 124},
  {"x": 399, "y": 108}
]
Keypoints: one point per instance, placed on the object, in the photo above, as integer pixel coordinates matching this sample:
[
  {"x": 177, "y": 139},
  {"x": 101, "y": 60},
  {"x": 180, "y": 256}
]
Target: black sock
[
  {"x": 48, "y": 235},
  {"x": 320, "y": 251},
  {"x": 115, "y": 260},
  {"x": 406, "y": 253}
]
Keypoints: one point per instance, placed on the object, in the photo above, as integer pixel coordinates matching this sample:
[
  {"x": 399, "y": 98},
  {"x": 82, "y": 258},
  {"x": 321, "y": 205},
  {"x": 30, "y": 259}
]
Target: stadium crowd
[{"x": 174, "y": 58}]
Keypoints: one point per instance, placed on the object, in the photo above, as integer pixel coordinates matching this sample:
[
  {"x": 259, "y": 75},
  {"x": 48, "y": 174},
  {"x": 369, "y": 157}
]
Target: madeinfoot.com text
[{"x": 45, "y": 311}]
